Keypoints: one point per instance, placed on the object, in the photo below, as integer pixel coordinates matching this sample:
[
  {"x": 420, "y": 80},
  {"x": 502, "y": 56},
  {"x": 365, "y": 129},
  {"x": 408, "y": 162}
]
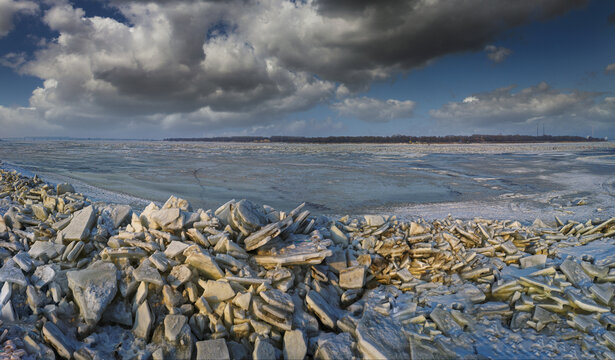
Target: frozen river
[{"x": 522, "y": 181}]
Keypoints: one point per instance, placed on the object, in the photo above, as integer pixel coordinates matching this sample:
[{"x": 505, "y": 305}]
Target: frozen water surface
[{"x": 520, "y": 181}]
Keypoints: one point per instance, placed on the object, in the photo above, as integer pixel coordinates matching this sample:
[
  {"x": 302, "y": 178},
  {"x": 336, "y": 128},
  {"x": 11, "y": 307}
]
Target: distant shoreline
[{"x": 397, "y": 139}]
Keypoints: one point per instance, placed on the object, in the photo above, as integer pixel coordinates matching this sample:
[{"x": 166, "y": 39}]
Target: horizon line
[{"x": 263, "y": 137}]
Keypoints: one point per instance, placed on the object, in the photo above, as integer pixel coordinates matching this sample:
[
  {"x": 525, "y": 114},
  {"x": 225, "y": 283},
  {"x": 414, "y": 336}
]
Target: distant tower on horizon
[
  {"x": 536, "y": 129},
  {"x": 543, "y": 129}
]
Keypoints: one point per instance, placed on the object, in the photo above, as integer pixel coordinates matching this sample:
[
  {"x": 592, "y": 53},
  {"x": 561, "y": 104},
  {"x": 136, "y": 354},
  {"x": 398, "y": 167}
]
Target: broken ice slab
[
  {"x": 503, "y": 289},
  {"x": 248, "y": 280},
  {"x": 262, "y": 236},
  {"x": 352, "y": 277},
  {"x": 278, "y": 299},
  {"x": 445, "y": 322},
  {"x": 272, "y": 315},
  {"x": 537, "y": 282},
  {"x": 533, "y": 261},
  {"x": 575, "y": 274},
  {"x": 123, "y": 253},
  {"x": 585, "y": 323},
  {"x": 577, "y": 299},
  {"x": 296, "y": 250},
  {"x": 494, "y": 308},
  {"x": 326, "y": 312},
  {"x": 381, "y": 337},
  {"x": 594, "y": 271},
  {"x": 603, "y": 292}
]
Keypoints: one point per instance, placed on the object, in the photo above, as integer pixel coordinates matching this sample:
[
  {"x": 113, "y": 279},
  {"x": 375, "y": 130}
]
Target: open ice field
[{"x": 520, "y": 181}]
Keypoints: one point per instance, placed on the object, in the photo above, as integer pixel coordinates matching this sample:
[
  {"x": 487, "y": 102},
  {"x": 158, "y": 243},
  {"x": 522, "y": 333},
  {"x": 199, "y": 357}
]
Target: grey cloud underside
[
  {"x": 386, "y": 36},
  {"x": 271, "y": 58}
]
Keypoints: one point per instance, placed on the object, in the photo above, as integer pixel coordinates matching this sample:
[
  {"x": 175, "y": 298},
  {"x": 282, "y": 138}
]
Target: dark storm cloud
[
  {"x": 354, "y": 7},
  {"x": 401, "y": 35}
]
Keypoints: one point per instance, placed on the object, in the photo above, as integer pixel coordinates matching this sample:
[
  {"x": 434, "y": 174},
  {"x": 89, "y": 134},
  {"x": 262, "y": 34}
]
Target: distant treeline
[{"x": 395, "y": 139}]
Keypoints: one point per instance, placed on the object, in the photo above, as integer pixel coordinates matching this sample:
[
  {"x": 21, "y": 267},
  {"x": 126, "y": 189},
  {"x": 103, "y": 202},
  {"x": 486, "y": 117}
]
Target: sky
[{"x": 173, "y": 68}]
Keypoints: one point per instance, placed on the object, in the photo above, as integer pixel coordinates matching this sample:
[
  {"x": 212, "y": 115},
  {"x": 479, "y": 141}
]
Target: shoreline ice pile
[{"x": 84, "y": 280}]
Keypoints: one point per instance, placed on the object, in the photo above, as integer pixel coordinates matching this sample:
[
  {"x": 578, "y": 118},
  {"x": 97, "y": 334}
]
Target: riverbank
[
  {"x": 398, "y": 139},
  {"x": 94, "y": 280}
]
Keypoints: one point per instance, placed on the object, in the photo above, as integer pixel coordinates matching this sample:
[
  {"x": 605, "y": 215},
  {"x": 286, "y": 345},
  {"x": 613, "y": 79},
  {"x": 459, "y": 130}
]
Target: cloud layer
[
  {"x": 375, "y": 110},
  {"x": 505, "y": 108},
  {"x": 202, "y": 65}
]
